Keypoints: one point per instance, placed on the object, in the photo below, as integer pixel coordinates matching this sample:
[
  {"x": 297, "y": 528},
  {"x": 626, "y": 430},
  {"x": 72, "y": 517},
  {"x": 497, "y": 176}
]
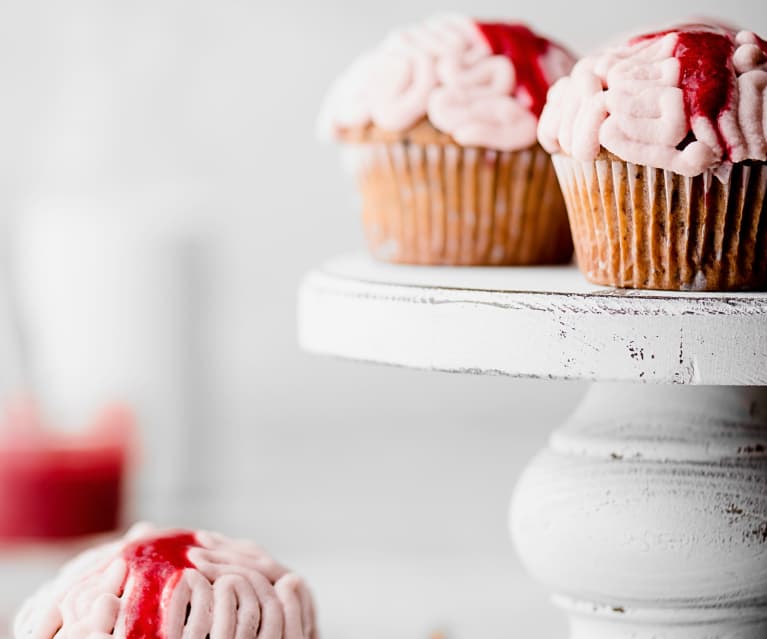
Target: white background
[{"x": 160, "y": 170}]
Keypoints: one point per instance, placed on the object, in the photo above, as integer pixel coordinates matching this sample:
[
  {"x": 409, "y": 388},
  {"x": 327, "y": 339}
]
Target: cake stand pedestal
[{"x": 646, "y": 515}]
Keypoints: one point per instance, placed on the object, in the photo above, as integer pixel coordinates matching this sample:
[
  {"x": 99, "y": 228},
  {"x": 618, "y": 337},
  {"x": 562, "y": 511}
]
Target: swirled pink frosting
[
  {"x": 690, "y": 99},
  {"x": 168, "y": 585},
  {"x": 484, "y": 84}
]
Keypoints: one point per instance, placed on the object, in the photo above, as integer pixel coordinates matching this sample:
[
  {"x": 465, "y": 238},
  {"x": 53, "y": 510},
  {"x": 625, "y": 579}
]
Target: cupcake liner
[
  {"x": 641, "y": 227},
  {"x": 446, "y": 204}
]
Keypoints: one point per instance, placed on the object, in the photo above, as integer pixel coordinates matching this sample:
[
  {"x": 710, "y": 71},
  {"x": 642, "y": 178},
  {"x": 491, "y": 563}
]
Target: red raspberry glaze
[
  {"x": 154, "y": 564},
  {"x": 762, "y": 44},
  {"x": 525, "y": 50},
  {"x": 706, "y": 74}
]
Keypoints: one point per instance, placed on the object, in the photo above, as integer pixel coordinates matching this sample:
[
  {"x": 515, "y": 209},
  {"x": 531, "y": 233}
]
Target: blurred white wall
[{"x": 112, "y": 106}]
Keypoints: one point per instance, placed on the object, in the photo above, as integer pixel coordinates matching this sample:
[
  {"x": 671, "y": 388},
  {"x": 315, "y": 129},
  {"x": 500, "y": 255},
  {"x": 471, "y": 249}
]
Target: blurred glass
[{"x": 94, "y": 315}]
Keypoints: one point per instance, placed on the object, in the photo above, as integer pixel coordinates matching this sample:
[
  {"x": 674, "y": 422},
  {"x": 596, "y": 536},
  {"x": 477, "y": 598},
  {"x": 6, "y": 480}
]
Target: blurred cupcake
[
  {"x": 660, "y": 150},
  {"x": 440, "y": 125},
  {"x": 170, "y": 584}
]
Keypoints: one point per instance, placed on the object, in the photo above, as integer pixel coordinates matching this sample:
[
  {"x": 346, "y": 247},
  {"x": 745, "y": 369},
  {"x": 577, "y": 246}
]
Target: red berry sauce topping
[
  {"x": 707, "y": 77},
  {"x": 154, "y": 565},
  {"x": 706, "y": 74},
  {"x": 525, "y": 50},
  {"x": 762, "y": 44}
]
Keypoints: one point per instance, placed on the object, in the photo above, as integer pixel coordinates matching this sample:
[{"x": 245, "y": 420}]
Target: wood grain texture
[
  {"x": 543, "y": 322},
  {"x": 647, "y": 513}
]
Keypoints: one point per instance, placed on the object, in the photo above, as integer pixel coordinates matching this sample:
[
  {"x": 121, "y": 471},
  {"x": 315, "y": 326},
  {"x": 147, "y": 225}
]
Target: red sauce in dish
[
  {"x": 525, "y": 50},
  {"x": 155, "y": 566},
  {"x": 56, "y": 485}
]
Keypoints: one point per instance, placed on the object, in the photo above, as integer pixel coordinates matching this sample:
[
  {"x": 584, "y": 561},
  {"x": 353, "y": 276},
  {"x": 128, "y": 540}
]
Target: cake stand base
[{"x": 647, "y": 513}]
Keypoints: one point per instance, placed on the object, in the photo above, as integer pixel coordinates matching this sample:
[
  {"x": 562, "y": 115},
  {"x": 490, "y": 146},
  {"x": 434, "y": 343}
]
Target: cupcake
[
  {"x": 439, "y": 124},
  {"x": 168, "y": 584},
  {"x": 659, "y": 146}
]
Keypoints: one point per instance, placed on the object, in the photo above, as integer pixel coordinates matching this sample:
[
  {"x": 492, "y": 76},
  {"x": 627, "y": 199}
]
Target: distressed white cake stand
[{"x": 647, "y": 513}]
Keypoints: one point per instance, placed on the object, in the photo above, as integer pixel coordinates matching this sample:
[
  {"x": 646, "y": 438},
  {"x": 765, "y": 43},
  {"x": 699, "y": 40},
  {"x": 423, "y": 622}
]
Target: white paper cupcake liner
[
  {"x": 640, "y": 227},
  {"x": 445, "y": 204}
]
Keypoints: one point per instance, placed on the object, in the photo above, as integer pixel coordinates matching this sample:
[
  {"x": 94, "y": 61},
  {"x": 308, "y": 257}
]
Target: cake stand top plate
[{"x": 545, "y": 322}]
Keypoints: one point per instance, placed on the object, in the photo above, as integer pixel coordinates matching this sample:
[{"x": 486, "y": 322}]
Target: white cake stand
[{"x": 647, "y": 513}]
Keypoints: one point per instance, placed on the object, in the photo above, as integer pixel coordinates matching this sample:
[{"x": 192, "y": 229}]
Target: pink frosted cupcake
[
  {"x": 440, "y": 123},
  {"x": 659, "y": 145},
  {"x": 169, "y": 584}
]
